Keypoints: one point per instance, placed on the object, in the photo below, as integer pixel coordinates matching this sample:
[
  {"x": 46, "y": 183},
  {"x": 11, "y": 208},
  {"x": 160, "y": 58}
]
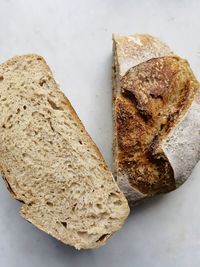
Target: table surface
[{"x": 75, "y": 39}]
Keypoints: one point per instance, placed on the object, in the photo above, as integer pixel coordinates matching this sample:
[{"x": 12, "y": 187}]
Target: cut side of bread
[
  {"x": 50, "y": 163},
  {"x": 156, "y": 113}
]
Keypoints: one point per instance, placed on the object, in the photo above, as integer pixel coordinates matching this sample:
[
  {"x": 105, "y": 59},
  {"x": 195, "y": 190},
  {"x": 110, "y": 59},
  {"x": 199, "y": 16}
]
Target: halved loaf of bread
[
  {"x": 49, "y": 161},
  {"x": 156, "y": 113}
]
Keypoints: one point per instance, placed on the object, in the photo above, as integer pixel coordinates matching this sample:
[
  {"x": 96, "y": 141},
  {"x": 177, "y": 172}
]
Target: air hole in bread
[
  {"x": 162, "y": 126},
  {"x": 105, "y": 215},
  {"x": 49, "y": 203},
  {"x": 30, "y": 203},
  {"x": 114, "y": 197},
  {"x": 74, "y": 206},
  {"x": 1, "y": 78},
  {"x": 53, "y": 104},
  {"x": 84, "y": 235},
  {"x": 64, "y": 224},
  {"x": 9, "y": 118},
  {"x": 42, "y": 82},
  {"x": 24, "y": 107},
  {"x": 80, "y": 142},
  {"x": 51, "y": 126},
  {"x": 99, "y": 206},
  {"x": 92, "y": 217},
  {"x": 114, "y": 194},
  {"x": 117, "y": 202},
  {"x": 103, "y": 237},
  {"x": 10, "y": 126}
]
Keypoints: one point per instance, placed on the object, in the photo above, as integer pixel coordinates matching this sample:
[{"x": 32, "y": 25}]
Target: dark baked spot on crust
[
  {"x": 154, "y": 96},
  {"x": 157, "y": 84},
  {"x": 129, "y": 134}
]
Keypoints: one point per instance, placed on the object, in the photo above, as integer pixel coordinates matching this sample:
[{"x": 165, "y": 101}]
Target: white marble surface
[{"x": 75, "y": 38}]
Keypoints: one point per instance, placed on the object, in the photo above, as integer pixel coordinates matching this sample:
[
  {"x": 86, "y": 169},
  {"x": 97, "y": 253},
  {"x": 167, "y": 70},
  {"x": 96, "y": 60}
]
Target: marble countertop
[{"x": 75, "y": 39}]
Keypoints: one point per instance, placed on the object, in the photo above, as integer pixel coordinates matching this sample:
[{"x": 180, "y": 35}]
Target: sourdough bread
[
  {"x": 156, "y": 115},
  {"x": 50, "y": 163}
]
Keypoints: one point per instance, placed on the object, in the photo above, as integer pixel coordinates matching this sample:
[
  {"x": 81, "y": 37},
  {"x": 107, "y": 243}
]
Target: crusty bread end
[{"x": 155, "y": 115}]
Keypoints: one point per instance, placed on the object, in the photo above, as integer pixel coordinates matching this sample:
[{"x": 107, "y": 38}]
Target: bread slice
[
  {"x": 49, "y": 161},
  {"x": 156, "y": 111}
]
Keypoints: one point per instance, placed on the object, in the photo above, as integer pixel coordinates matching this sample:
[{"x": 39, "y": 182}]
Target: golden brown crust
[
  {"x": 157, "y": 84},
  {"x": 136, "y": 148},
  {"x": 154, "y": 97}
]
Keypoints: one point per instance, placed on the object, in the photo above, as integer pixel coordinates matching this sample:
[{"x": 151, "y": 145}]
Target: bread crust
[
  {"x": 132, "y": 50},
  {"x": 154, "y": 103}
]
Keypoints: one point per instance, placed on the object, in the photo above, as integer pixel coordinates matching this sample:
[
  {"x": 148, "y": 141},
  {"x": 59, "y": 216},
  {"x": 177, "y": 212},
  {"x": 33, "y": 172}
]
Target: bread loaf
[
  {"x": 50, "y": 163},
  {"x": 156, "y": 114}
]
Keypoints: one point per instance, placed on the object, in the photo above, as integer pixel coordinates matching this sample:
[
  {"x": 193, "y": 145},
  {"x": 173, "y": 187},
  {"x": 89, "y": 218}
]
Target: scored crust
[
  {"x": 154, "y": 112},
  {"x": 132, "y": 50}
]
